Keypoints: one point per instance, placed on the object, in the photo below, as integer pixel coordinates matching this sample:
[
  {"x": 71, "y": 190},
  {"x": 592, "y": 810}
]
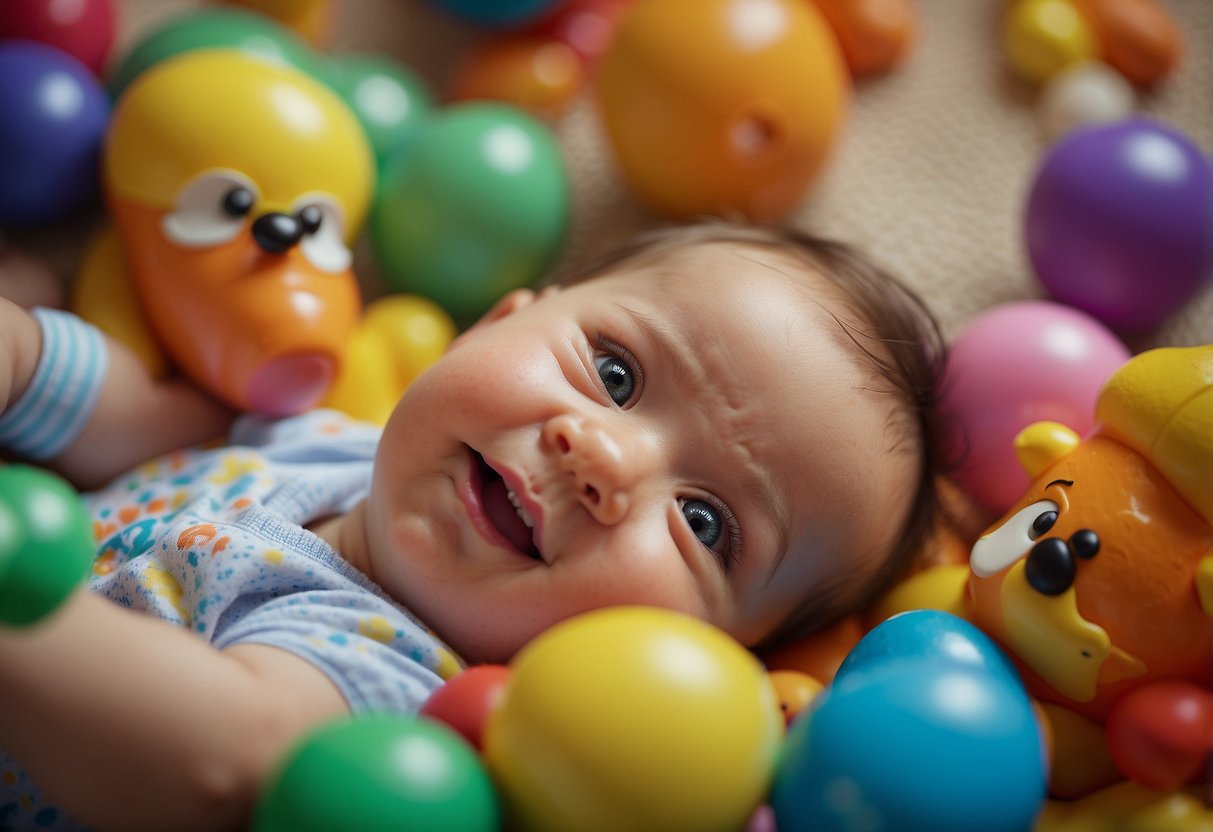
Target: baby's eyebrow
[{"x": 662, "y": 340}]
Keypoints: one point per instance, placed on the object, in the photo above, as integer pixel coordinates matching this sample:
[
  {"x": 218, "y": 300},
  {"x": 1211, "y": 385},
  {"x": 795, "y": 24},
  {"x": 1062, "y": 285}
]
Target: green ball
[
  {"x": 380, "y": 773},
  {"x": 476, "y": 207},
  {"x": 46, "y": 543},
  {"x": 390, "y": 101},
  {"x": 218, "y": 28}
]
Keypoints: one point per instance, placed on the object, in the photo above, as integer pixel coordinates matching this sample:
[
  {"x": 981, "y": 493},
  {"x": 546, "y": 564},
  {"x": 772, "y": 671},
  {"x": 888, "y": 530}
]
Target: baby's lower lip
[{"x": 470, "y": 494}]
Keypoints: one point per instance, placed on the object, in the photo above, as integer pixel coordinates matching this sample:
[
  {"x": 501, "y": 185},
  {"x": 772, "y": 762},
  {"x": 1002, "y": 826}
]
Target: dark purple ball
[
  {"x": 1119, "y": 222},
  {"x": 53, "y": 116}
]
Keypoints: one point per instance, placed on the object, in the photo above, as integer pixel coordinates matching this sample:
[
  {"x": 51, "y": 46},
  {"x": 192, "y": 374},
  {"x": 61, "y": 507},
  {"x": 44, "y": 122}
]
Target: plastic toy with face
[
  {"x": 236, "y": 186},
  {"x": 1100, "y": 579}
]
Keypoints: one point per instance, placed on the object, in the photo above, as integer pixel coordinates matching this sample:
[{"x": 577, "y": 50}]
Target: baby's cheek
[{"x": 656, "y": 584}]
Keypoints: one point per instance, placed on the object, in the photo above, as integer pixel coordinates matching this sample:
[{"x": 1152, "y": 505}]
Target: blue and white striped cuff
[{"x": 63, "y": 391}]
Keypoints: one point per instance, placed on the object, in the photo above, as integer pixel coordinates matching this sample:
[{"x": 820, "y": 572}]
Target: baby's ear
[{"x": 507, "y": 305}]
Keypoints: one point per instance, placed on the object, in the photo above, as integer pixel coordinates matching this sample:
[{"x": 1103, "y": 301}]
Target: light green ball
[
  {"x": 477, "y": 206},
  {"x": 46, "y": 543},
  {"x": 390, "y": 101},
  {"x": 380, "y": 773},
  {"x": 220, "y": 28}
]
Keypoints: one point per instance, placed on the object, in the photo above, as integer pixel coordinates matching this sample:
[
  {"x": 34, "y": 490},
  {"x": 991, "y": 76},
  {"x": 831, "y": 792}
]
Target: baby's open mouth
[{"x": 505, "y": 511}]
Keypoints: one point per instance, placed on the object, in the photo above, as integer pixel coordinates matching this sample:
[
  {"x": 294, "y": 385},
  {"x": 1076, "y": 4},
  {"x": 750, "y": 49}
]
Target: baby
[{"x": 731, "y": 422}]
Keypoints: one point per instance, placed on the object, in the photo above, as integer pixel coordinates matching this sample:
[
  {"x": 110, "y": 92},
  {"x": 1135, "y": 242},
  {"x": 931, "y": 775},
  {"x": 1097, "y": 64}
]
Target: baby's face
[{"x": 691, "y": 434}]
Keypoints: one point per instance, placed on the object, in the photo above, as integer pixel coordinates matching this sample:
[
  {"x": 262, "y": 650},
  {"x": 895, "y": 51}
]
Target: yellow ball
[
  {"x": 1043, "y": 37},
  {"x": 937, "y": 588},
  {"x": 398, "y": 338},
  {"x": 634, "y": 718}
]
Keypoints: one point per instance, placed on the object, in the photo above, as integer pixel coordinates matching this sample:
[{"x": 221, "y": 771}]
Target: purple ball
[
  {"x": 1120, "y": 222},
  {"x": 53, "y": 116}
]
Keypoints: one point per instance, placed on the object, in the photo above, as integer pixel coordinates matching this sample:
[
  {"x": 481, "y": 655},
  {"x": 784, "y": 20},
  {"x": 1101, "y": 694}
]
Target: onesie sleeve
[
  {"x": 63, "y": 392},
  {"x": 376, "y": 655}
]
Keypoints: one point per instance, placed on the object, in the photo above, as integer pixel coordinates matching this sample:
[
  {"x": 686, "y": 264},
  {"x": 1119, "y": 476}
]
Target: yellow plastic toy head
[{"x": 220, "y": 110}]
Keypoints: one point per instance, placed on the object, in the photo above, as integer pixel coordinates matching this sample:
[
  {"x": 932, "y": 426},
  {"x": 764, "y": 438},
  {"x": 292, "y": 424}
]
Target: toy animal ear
[
  {"x": 1041, "y": 444},
  {"x": 1204, "y": 583}
]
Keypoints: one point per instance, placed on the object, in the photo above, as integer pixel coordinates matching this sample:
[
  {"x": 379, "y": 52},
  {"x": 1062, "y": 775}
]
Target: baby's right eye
[{"x": 619, "y": 373}]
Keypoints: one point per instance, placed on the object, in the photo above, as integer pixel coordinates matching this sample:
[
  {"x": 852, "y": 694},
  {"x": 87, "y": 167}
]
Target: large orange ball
[{"x": 722, "y": 107}]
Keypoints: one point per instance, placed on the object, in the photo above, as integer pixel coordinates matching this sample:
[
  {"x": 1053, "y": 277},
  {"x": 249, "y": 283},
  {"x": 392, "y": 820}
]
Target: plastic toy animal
[
  {"x": 1099, "y": 581},
  {"x": 236, "y": 187}
]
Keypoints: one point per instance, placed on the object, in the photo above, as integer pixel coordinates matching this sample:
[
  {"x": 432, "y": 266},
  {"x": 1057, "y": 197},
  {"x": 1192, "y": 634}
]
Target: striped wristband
[{"x": 63, "y": 391}]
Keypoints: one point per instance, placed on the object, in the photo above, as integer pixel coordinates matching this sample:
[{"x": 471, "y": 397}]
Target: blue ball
[
  {"x": 498, "y": 14},
  {"x": 919, "y": 635},
  {"x": 932, "y": 745},
  {"x": 53, "y": 117}
]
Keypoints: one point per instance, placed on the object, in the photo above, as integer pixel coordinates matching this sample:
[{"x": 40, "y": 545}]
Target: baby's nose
[{"x": 603, "y": 464}]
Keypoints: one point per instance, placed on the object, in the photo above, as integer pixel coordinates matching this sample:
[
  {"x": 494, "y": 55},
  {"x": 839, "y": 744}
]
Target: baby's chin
[{"x": 489, "y": 643}]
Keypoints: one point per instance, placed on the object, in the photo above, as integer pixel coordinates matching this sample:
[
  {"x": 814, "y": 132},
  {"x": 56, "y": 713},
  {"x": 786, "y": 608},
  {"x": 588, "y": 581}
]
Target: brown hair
[{"x": 893, "y": 332}]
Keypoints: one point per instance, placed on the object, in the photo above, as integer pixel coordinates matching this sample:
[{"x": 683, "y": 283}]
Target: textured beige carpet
[{"x": 930, "y": 174}]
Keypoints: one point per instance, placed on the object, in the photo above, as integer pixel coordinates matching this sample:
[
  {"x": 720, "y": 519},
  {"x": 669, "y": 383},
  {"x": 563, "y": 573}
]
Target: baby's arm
[
  {"x": 136, "y": 416},
  {"x": 132, "y": 723}
]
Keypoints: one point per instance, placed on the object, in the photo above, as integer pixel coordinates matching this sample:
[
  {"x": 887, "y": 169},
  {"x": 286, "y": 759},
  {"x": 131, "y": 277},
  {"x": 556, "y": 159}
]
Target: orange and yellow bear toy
[{"x": 1099, "y": 585}]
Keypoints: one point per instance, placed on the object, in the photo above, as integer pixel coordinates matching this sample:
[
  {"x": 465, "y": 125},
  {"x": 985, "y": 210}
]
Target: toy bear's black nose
[
  {"x": 276, "y": 232},
  {"x": 1051, "y": 568}
]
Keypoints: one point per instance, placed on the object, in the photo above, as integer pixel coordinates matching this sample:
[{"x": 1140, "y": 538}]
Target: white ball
[{"x": 1089, "y": 92}]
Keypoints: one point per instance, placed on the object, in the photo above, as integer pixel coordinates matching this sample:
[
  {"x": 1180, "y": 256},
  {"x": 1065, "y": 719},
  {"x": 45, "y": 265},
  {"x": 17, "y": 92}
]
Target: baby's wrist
[{"x": 61, "y": 395}]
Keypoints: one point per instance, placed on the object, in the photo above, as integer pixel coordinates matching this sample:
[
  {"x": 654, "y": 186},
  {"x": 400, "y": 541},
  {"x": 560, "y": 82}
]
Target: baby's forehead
[{"x": 708, "y": 271}]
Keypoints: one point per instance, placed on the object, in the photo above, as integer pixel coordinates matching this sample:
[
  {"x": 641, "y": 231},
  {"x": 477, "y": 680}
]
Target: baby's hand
[{"x": 46, "y": 543}]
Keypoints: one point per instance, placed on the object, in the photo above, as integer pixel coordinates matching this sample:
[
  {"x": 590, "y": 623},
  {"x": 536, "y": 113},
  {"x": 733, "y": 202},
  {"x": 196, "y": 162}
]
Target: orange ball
[
  {"x": 1138, "y": 37},
  {"x": 818, "y": 654},
  {"x": 795, "y": 691},
  {"x": 875, "y": 35},
  {"x": 722, "y": 107},
  {"x": 538, "y": 74}
]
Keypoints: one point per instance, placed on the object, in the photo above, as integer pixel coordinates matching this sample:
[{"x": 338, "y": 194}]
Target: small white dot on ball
[{"x": 1089, "y": 92}]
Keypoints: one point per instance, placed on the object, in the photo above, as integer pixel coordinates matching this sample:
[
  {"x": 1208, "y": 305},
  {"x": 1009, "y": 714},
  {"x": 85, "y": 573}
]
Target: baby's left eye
[{"x": 617, "y": 376}]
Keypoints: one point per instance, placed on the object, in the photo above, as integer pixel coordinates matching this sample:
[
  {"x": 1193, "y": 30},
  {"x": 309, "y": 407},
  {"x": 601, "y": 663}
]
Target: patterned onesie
[{"x": 214, "y": 540}]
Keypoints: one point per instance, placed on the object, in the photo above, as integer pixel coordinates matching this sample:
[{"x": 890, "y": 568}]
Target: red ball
[
  {"x": 83, "y": 29},
  {"x": 585, "y": 26},
  {"x": 1160, "y": 735},
  {"x": 467, "y": 699}
]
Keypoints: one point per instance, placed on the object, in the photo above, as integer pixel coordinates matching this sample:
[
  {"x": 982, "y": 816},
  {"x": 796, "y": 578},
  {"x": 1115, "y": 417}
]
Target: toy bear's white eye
[
  {"x": 322, "y": 242},
  {"x": 211, "y": 209},
  {"x": 1012, "y": 540}
]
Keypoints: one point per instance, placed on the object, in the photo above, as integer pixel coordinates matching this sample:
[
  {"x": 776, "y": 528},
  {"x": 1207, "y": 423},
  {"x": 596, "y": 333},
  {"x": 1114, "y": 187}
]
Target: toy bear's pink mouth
[{"x": 504, "y": 510}]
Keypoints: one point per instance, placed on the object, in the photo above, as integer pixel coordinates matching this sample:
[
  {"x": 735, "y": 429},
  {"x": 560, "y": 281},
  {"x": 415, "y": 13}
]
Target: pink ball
[{"x": 1013, "y": 365}]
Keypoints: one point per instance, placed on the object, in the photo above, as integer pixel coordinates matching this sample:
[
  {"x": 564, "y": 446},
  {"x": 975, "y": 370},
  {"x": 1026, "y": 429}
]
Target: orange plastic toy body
[
  {"x": 1099, "y": 581},
  {"x": 236, "y": 187}
]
